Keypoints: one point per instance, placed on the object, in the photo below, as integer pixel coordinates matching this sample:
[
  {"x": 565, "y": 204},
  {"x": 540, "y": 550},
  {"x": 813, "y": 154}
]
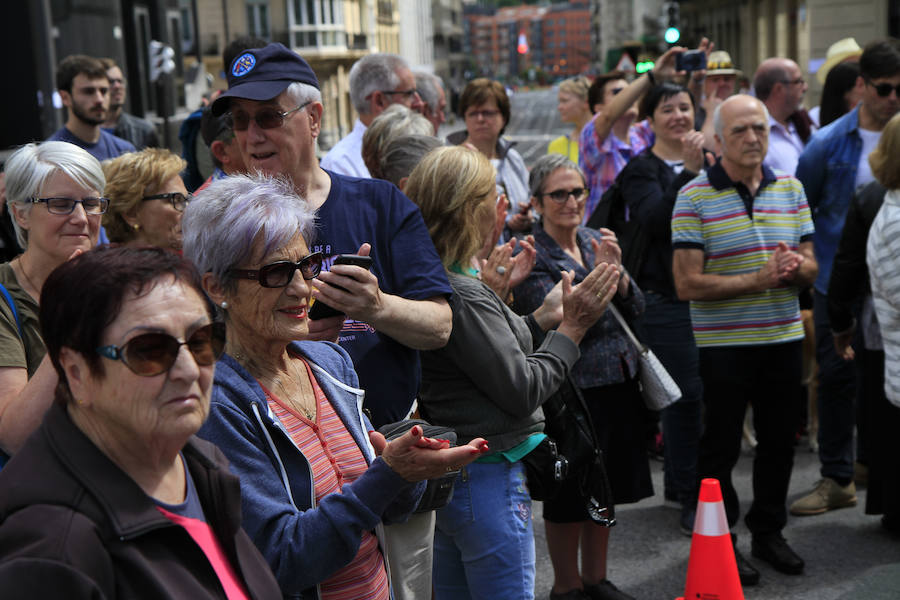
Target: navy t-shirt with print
[{"x": 406, "y": 264}]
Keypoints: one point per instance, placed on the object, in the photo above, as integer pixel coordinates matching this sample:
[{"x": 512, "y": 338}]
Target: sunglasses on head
[
  {"x": 152, "y": 354},
  {"x": 884, "y": 89},
  {"x": 279, "y": 274},
  {"x": 267, "y": 117}
]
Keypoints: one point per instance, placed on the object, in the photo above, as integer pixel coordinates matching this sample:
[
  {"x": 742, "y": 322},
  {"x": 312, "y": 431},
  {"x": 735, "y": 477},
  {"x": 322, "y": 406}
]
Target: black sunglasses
[
  {"x": 178, "y": 200},
  {"x": 266, "y": 118},
  {"x": 152, "y": 354},
  {"x": 562, "y": 196},
  {"x": 279, "y": 274},
  {"x": 884, "y": 89}
]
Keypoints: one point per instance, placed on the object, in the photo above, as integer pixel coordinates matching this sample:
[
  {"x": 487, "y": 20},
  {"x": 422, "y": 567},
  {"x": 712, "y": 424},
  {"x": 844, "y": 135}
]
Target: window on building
[
  {"x": 562, "y": 44},
  {"x": 316, "y": 23},
  {"x": 549, "y": 44},
  {"x": 187, "y": 27},
  {"x": 562, "y": 21},
  {"x": 258, "y": 18}
]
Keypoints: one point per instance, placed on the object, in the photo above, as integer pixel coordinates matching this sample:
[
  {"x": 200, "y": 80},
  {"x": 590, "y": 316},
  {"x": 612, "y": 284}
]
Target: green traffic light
[
  {"x": 643, "y": 66},
  {"x": 672, "y": 35}
]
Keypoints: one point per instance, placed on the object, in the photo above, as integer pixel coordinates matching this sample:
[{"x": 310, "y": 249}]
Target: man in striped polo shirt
[{"x": 742, "y": 235}]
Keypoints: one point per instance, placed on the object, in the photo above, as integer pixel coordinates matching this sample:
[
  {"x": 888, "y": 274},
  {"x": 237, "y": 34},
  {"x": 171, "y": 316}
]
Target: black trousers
[{"x": 768, "y": 378}]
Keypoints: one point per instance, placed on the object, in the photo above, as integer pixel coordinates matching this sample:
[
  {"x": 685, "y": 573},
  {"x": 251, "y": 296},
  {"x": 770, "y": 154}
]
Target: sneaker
[
  {"x": 605, "y": 590},
  {"x": 827, "y": 495}
]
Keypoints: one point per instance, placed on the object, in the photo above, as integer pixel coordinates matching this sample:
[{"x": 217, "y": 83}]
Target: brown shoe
[{"x": 826, "y": 496}]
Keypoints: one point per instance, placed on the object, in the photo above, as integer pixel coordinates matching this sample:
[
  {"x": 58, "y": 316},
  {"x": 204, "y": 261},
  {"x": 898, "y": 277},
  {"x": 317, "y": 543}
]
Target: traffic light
[
  {"x": 643, "y": 66},
  {"x": 671, "y": 16},
  {"x": 161, "y": 61}
]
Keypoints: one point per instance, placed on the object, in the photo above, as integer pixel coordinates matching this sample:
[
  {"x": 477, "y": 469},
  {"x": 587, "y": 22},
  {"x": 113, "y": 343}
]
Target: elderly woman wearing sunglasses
[
  {"x": 54, "y": 193},
  {"x": 606, "y": 374},
  {"x": 147, "y": 198},
  {"x": 316, "y": 483},
  {"x": 127, "y": 503}
]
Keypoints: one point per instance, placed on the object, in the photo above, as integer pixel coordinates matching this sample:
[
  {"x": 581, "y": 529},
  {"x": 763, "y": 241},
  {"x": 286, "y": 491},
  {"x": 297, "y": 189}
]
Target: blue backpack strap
[{"x": 12, "y": 307}]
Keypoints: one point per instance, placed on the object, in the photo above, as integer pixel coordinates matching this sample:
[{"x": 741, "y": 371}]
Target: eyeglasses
[
  {"x": 65, "y": 206},
  {"x": 562, "y": 196},
  {"x": 482, "y": 114},
  {"x": 799, "y": 80},
  {"x": 266, "y": 118},
  {"x": 152, "y": 354},
  {"x": 178, "y": 200},
  {"x": 884, "y": 89},
  {"x": 407, "y": 93},
  {"x": 279, "y": 274}
]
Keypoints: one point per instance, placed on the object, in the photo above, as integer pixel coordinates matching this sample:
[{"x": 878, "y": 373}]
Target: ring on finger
[{"x": 501, "y": 269}]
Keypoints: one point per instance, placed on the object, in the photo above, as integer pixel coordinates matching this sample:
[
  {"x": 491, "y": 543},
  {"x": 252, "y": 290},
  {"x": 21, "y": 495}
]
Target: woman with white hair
[
  {"x": 316, "y": 481},
  {"x": 55, "y": 196},
  {"x": 394, "y": 122}
]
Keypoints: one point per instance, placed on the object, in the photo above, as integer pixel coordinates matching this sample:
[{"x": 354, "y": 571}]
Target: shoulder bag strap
[
  {"x": 618, "y": 316},
  {"x": 12, "y": 307}
]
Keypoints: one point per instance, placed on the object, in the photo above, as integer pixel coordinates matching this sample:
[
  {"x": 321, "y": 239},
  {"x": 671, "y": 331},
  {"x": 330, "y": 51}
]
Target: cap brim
[
  {"x": 724, "y": 72},
  {"x": 252, "y": 90}
]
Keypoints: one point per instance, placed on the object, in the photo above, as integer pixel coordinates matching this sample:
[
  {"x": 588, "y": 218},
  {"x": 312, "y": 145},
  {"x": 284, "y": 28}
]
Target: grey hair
[
  {"x": 403, "y": 153},
  {"x": 546, "y": 166},
  {"x": 373, "y": 73},
  {"x": 396, "y": 120},
  {"x": 429, "y": 85},
  {"x": 719, "y": 126},
  {"x": 31, "y": 166},
  {"x": 767, "y": 75},
  {"x": 303, "y": 92},
  {"x": 233, "y": 214}
]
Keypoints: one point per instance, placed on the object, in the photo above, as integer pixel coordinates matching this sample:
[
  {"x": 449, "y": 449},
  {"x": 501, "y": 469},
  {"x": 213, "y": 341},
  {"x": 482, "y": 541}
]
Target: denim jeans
[
  {"x": 666, "y": 328},
  {"x": 484, "y": 539},
  {"x": 836, "y": 400}
]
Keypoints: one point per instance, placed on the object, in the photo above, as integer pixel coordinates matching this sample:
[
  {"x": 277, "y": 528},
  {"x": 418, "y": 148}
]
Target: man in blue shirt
[
  {"x": 833, "y": 165},
  {"x": 84, "y": 88}
]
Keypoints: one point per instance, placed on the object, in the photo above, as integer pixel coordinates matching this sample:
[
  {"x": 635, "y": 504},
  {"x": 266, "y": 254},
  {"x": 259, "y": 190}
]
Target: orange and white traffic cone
[{"x": 712, "y": 571}]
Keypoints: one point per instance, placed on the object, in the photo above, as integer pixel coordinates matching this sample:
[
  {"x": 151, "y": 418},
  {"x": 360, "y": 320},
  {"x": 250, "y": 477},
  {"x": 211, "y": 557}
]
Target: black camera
[{"x": 692, "y": 60}]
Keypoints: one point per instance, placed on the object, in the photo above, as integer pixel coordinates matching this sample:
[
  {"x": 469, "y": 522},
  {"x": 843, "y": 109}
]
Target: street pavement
[{"x": 848, "y": 555}]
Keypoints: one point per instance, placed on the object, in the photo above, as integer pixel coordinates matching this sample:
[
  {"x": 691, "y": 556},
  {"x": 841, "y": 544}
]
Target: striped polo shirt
[{"x": 737, "y": 233}]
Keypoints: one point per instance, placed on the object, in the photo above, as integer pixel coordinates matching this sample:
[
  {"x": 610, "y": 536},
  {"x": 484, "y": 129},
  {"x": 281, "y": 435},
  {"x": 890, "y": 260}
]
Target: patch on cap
[{"x": 243, "y": 65}]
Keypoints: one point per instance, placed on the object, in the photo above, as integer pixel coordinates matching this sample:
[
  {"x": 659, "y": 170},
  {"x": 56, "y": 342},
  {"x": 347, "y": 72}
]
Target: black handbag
[
  {"x": 439, "y": 491},
  {"x": 570, "y": 451}
]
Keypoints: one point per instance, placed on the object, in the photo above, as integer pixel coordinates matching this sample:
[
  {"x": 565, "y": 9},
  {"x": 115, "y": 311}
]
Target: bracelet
[{"x": 651, "y": 77}]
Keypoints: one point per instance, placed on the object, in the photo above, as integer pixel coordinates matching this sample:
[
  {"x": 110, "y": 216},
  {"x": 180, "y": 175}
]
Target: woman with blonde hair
[
  {"x": 147, "y": 198},
  {"x": 572, "y": 105},
  {"x": 490, "y": 381}
]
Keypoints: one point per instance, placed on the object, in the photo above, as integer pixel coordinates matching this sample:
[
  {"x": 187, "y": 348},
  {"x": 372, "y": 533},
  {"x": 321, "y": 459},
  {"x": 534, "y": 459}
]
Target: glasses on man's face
[
  {"x": 267, "y": 117},
  {"x": 279, "y": 274},
  {"x": 152, "y": 354},
  {"x": 884, "y": 89},
  {"x": 179, "y": 201},
  {"x": 482, "y": 114},
  {"x": 799, "y": 80},
  {"x": 562, "y": 196},
  {"x": 404, "y": 93},
  {"x": 65, "y": 206}
]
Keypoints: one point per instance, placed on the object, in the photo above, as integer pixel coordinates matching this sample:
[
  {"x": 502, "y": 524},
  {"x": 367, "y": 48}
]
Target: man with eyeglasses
[
  {"x": 84, "y": 88},
  {"x": 833, "y": 166},
  {"x": 779, "y": 84},
  {"x": 376, "y": 82},
  {"x": 136, "y": 130}
]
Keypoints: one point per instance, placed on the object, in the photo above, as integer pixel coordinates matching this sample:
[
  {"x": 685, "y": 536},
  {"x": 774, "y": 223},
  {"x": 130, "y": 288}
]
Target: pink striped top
[{"x": 335, "y": 459}]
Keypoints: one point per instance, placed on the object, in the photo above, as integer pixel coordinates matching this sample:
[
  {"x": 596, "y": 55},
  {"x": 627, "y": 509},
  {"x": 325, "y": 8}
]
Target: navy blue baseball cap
[{"x": 262, "y": 74}]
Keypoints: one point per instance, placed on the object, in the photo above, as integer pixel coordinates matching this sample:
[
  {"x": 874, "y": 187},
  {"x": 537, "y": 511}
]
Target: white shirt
[
  {"x": 785, "y": 147},
  {"x": 863, "y": 170},
  {"x": 882, "y": 251},
  {"x": 345, "y": 157}
]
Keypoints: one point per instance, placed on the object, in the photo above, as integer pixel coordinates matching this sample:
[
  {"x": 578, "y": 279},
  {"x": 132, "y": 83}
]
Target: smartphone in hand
[
  {"x": 692, "y": 60},
  {"x": 319, "y": 309}
]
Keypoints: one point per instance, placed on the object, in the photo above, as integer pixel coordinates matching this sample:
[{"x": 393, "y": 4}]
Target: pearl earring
[
  {"x": 136, "y": 226},
  {"x": 224, "y": 305}
]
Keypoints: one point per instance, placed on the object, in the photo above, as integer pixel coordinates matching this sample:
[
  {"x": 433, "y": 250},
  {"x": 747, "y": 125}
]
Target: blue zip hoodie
[{"x": 302, "y": 541}]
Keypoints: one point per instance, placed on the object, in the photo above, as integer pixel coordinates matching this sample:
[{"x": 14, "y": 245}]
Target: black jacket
[
  {"x": 849, "y": 281},
  {"x": 649, "y": 187},
  {"x": 74, "y": 525}
]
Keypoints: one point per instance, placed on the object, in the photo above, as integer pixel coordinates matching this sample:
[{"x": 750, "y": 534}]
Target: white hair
[
  {"x": 303, "y": 92},
  {"x": 373, "y": 73},
  {"x": 31, "y": 166},
  {"x": 429, "y": 86},
  {"x": 719, "y": 126}
]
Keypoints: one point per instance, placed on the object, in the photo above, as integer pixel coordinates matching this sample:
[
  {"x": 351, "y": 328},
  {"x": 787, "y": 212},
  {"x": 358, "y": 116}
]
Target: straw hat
[
  {"x": 720, "y": 63},
  {"x": 838, "y": 52}
]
